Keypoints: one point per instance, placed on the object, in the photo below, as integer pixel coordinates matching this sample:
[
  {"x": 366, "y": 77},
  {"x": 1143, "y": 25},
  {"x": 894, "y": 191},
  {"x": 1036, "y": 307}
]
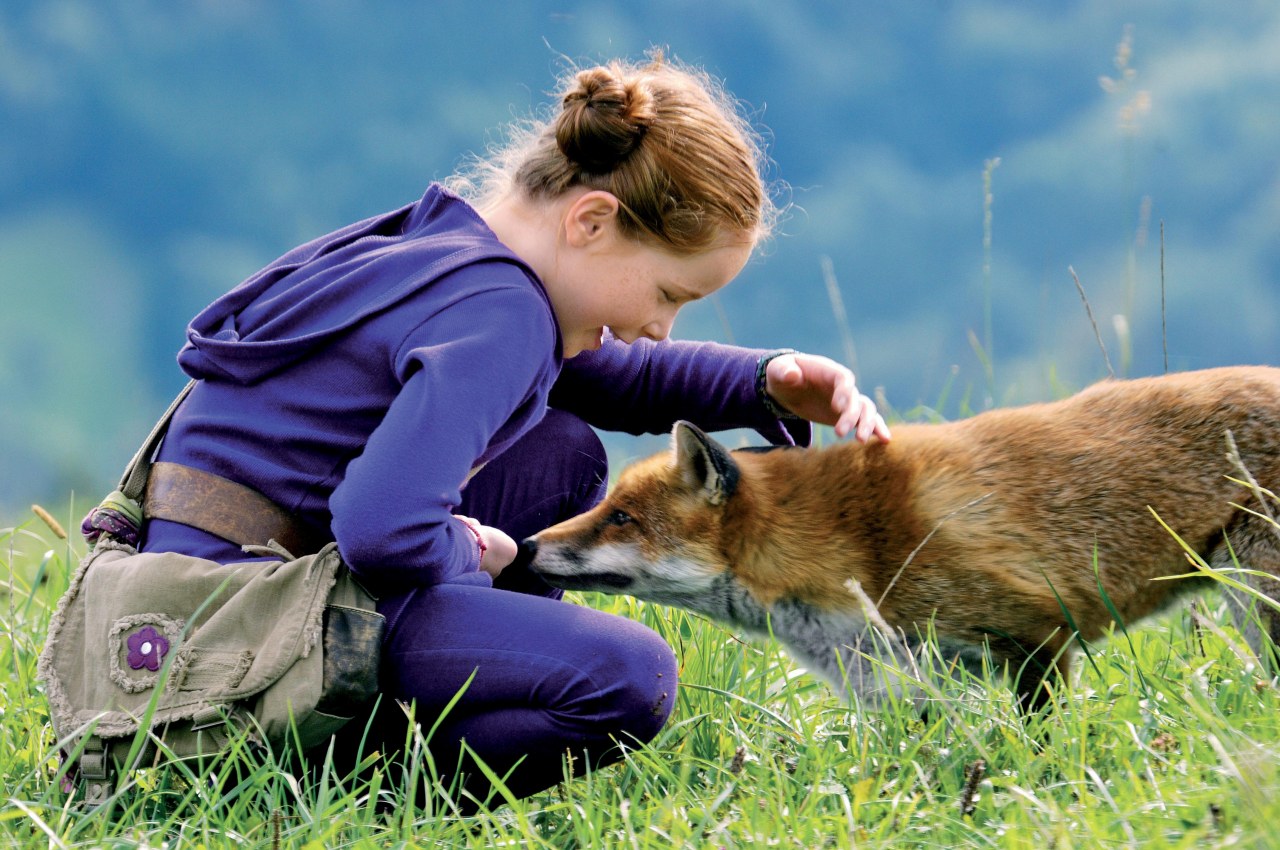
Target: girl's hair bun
[
  {"x": 603, "y": 119},
  {"x": 663, "y": 138}
]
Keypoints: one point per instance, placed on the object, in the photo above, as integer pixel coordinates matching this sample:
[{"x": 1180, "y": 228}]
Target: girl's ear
[{"x": 590, "y": 217}]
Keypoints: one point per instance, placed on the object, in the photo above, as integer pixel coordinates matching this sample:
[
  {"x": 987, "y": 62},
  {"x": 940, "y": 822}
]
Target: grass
[{"x": 1168, "y": 737}]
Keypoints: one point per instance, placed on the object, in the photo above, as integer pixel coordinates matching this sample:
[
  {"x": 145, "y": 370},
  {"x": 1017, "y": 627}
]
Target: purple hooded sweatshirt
[{"x": 358, "y": 380}]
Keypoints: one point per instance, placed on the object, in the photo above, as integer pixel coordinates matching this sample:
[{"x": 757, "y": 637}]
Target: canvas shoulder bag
[{"x": 160, "y": 655}]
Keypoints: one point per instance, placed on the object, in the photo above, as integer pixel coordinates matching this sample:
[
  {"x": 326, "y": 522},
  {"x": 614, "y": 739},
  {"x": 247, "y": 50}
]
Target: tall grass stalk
[
  {"x": 988, "y": 343},
  {"x": 839, "y": 313}
]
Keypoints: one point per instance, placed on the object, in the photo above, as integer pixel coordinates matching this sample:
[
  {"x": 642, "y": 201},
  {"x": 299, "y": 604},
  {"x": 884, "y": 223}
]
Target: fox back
[{"x": 1009, "y": 532}]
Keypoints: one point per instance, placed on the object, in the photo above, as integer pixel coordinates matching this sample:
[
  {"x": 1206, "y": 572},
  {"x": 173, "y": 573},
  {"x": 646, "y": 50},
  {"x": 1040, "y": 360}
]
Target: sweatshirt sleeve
[
  {"x": 481, "y": 366},
  {"x": 644, "y": 387}
]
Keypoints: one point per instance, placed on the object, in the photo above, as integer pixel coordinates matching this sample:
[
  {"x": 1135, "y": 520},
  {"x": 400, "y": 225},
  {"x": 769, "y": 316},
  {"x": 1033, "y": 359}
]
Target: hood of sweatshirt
[{"x": 327, "y": 286}]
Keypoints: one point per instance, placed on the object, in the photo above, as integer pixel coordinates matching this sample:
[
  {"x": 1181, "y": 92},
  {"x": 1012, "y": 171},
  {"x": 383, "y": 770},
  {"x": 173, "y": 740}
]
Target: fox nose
[{"x": 525, "y": 551}]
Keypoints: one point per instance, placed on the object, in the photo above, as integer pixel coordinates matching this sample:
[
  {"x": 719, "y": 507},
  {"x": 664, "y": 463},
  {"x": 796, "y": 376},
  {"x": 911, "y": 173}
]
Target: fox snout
[{"x": 566, "y": 568}]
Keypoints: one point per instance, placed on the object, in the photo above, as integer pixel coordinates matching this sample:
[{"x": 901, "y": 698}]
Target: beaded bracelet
[{"x": 762, "y": 380}]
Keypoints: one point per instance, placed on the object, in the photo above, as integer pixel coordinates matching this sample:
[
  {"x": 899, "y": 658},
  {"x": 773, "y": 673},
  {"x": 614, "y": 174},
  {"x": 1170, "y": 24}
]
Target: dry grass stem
[{"x": 1089, "y": 310}]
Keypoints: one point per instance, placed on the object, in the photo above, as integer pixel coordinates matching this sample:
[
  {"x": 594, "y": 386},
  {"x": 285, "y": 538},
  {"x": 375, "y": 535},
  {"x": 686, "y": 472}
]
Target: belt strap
[{"x": 220, "y": 506}]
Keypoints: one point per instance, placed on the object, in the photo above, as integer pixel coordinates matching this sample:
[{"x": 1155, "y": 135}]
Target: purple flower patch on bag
[{"x": 147, "y": 648}]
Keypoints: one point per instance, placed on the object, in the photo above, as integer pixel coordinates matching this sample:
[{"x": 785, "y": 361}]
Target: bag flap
[{"x": 205, "y": 633}]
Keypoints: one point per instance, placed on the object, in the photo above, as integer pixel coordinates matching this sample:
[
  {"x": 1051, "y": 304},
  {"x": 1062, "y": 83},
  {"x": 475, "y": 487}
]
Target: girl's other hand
[
  {"x": 821, "y": 390},
  {"x": 497, "y": 548}
]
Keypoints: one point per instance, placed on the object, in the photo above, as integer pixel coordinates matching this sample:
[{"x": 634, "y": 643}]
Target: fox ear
[{"x": 703, "y": 464}]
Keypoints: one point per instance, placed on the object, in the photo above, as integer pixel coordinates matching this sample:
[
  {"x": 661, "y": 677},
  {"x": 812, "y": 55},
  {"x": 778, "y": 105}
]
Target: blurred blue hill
[{"x": 155, "y": 154}]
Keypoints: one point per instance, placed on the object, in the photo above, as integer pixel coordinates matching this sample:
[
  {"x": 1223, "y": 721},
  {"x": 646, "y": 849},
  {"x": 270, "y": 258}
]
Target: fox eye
[{"x": 619, "y": 517}]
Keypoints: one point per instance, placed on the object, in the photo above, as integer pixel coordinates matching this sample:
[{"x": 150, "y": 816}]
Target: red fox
[{"x": 1003, "y": 530}]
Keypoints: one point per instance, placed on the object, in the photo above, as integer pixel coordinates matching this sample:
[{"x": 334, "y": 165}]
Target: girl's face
[{"x": 602, "y": 279}]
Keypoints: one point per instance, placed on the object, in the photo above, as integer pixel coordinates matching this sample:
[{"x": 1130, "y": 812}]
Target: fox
[{"x": 1007, "y": 537}]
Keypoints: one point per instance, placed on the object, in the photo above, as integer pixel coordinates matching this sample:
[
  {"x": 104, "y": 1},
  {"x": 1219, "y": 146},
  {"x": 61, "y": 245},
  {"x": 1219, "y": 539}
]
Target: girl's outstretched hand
[{"x": 821, "y": 390}]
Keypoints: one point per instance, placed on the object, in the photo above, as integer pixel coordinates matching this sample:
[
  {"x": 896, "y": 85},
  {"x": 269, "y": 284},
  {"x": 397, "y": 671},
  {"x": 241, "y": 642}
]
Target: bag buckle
[{"x": 96, "y": 771}]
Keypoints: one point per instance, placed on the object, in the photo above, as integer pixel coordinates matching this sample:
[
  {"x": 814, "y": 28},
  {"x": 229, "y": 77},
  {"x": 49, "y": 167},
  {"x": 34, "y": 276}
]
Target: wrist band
[
  {"x": 474, "y": 528},
  {"x": 762, "y": 380}
]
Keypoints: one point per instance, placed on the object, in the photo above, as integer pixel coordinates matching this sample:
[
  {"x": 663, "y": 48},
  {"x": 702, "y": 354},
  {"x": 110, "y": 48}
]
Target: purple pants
[{"x": 550, "y": 677}]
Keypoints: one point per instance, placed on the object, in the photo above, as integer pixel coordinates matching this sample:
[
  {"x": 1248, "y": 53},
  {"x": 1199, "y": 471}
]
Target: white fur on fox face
[
  {"x": 670, "y": 578},
  {"x": 617, "y": 558},
  {"x": 674, "y": 580}
]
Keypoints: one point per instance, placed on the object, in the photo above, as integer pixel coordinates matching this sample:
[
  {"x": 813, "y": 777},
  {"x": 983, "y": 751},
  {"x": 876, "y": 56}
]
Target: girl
[{"x": 420, "y": 388}]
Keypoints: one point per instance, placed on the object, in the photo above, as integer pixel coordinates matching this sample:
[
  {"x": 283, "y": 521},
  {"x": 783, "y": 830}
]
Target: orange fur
[{"x": 979, "y": 526}]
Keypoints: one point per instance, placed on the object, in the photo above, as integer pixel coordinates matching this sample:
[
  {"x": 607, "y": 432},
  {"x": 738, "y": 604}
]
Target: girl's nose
[{"x": 658, "y": 331}]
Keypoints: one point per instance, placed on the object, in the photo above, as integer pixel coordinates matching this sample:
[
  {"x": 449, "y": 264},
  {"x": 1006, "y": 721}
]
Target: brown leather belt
[{"x": 222, "y": 507}]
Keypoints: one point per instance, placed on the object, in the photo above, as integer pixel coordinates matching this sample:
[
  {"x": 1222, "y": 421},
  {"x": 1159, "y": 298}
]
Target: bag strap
[{"x": 134, "y": 480}]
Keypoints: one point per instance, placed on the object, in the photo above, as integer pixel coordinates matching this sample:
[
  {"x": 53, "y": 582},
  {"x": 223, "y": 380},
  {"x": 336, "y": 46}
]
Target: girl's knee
[
  {"x": 642, "y": 694},
  {"x": 569, "y": 443}
]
